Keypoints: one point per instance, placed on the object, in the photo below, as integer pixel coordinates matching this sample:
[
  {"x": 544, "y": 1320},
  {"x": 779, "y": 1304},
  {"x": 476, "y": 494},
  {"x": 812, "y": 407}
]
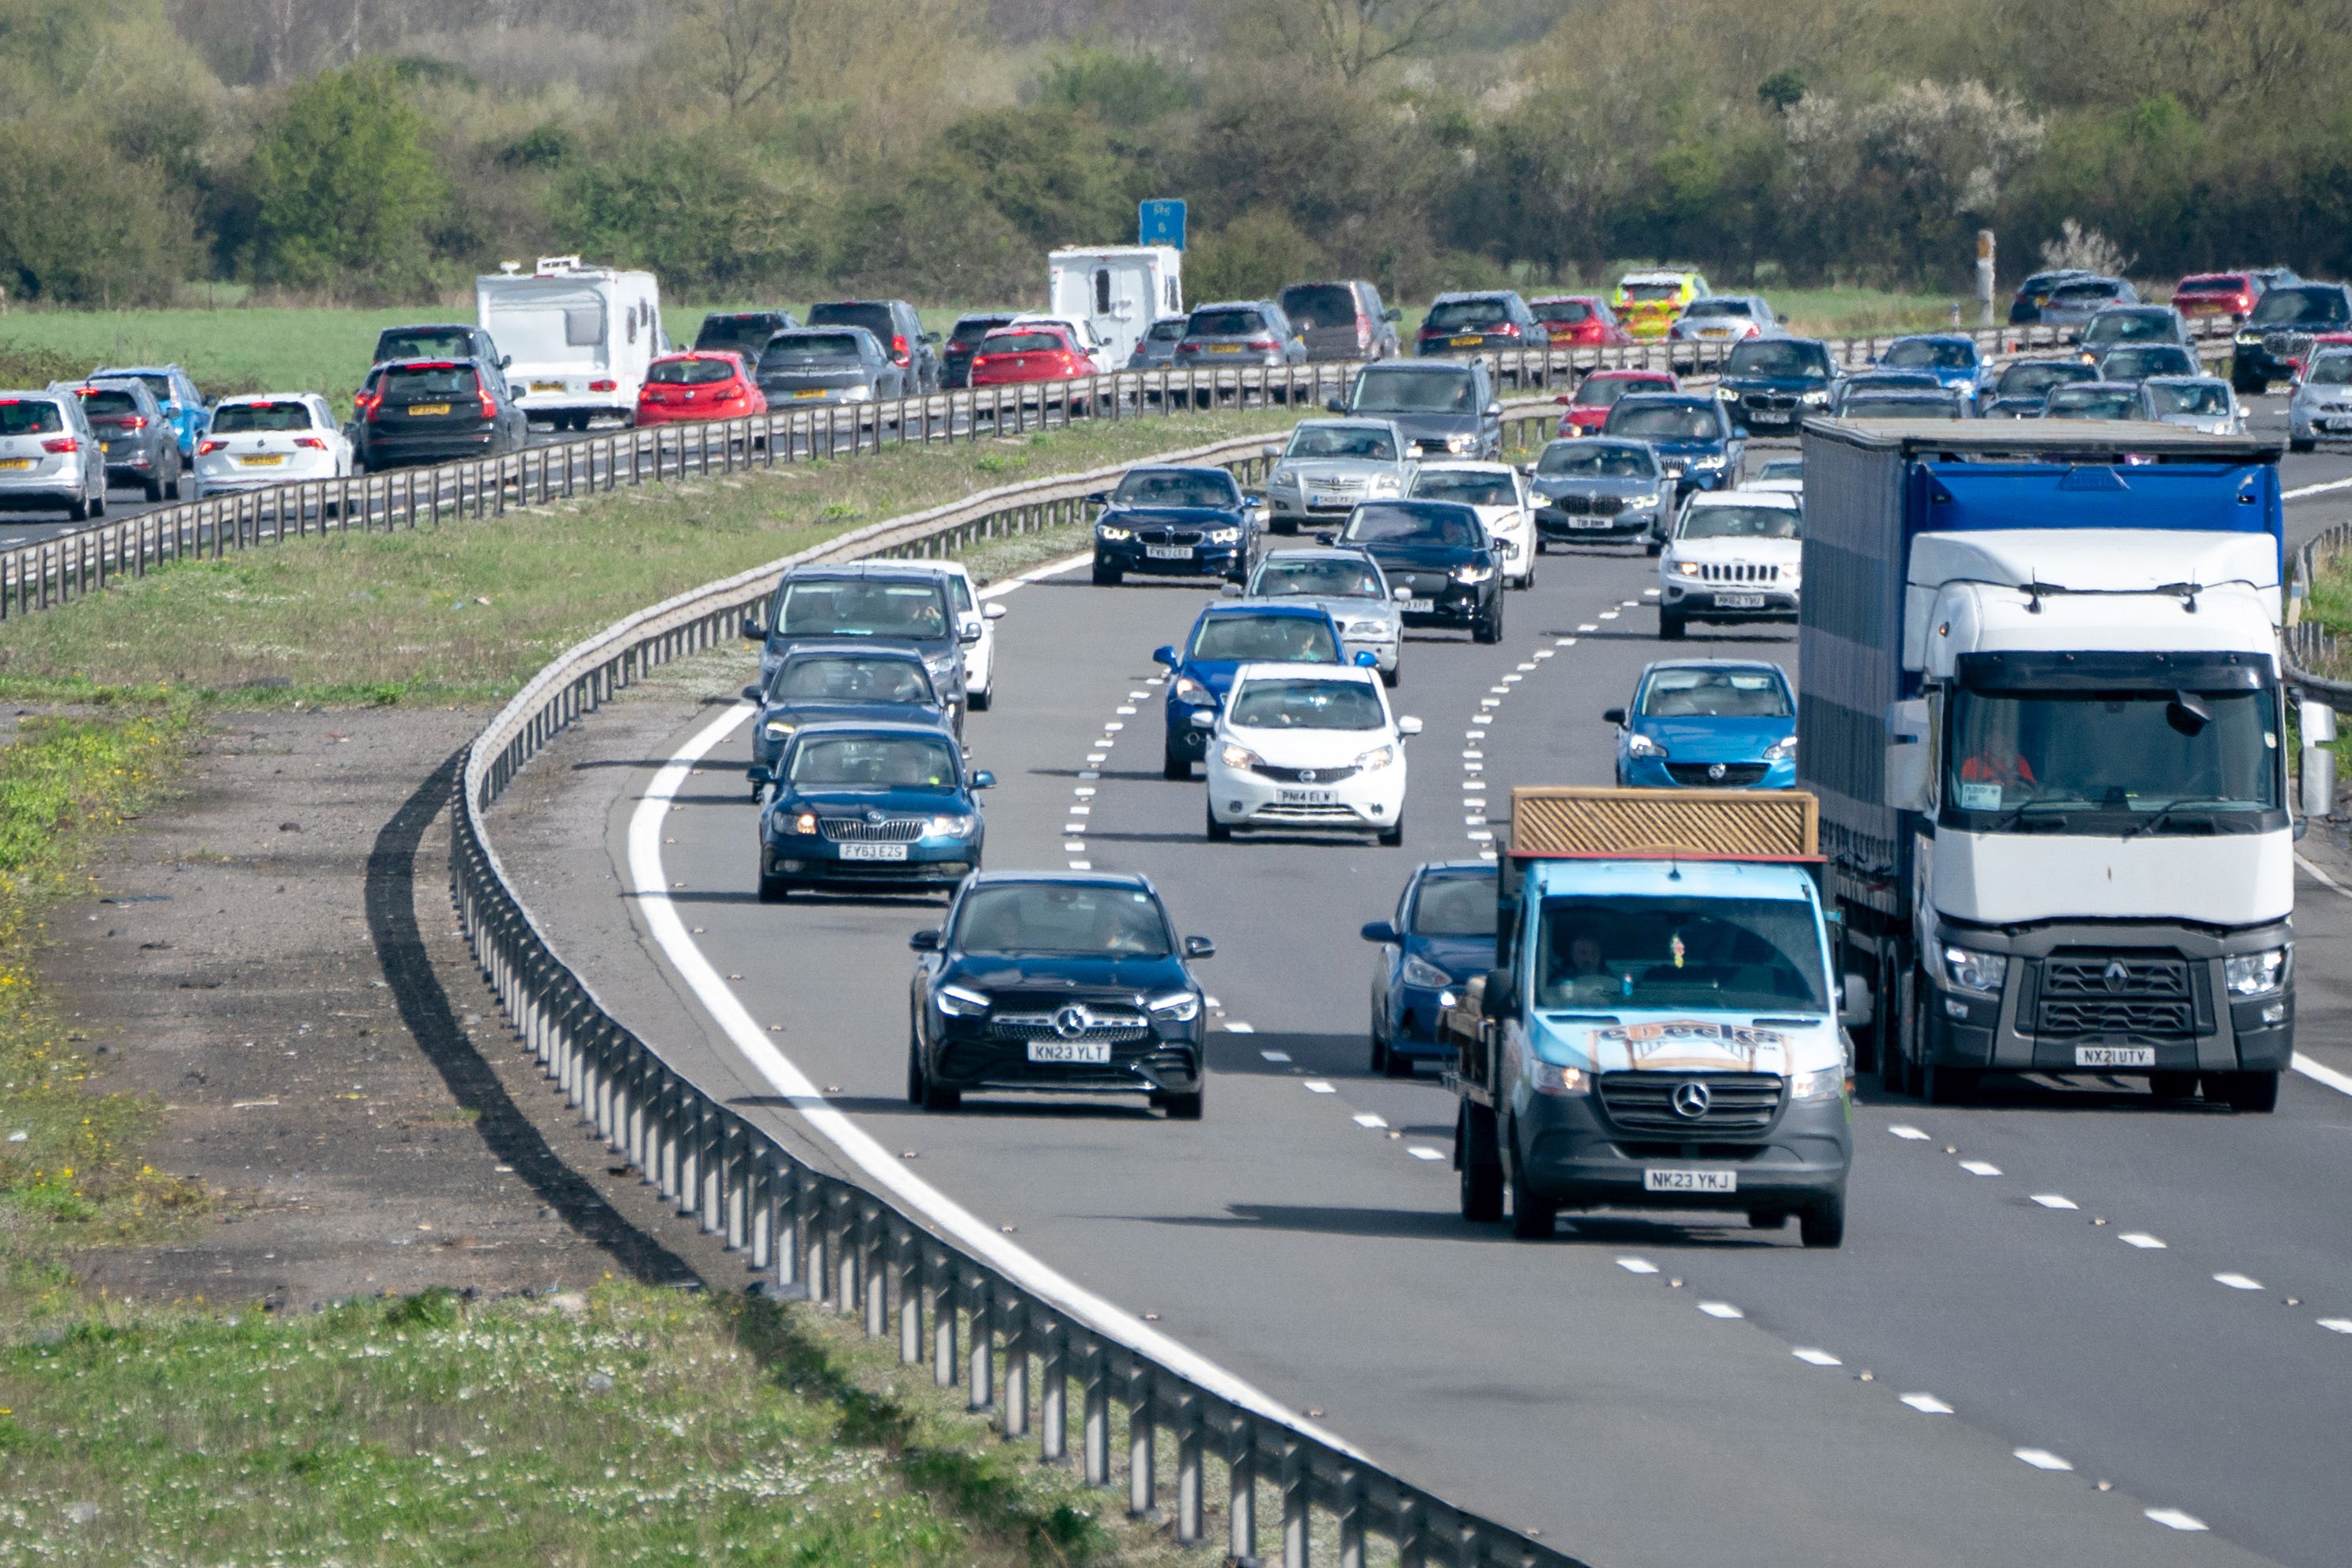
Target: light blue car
[
  {"x": 1708, "y": 724},
  {"x": 1951, "y": 358},
  {"x": 183, "y": 405}
]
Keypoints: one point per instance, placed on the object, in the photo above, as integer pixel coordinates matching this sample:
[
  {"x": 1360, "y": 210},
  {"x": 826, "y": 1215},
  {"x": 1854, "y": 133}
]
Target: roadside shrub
[
  {"x": 64, "y": 242},
  {"x": 344, "y": 186}
]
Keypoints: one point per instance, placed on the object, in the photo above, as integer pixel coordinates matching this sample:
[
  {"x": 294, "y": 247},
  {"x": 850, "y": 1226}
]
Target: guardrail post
[
  {"x": 816, "y": 1243},
  {"x": 1188, "y": 1475},
  {"x": 759, "y": 1197},
  {"x": 1241, "y": 1509},
  {"x": 876, "y": 1272},
  {"x": 736, "y": 1198},
  {"x": 848, "y": 1255},
  {"x": 910, "y": 1294},
  {"x": 1409, "y": 1535},
  {"x": 939, "y": 1269},
  {"x": 1351, "y": 1522},
  {"x": 1016, "y": 1318},
  {"x": 1142, "y": 1445},
  {"x": 1097, "y": 1417},
  {"x": 1054, "y": 1395},
  {"x": 980, "y": 1377},
  {"x": 784, "y": 1197},
  {"x": 1295, "y": 1520}
]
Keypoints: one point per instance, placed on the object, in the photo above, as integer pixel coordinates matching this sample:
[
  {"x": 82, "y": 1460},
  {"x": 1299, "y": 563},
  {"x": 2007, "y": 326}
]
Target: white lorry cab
[
  {"x": 580, "y": 337},
  {"x": 1117, "y": 290}
]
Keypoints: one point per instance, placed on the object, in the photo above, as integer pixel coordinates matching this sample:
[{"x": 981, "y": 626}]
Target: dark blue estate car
[
  {"x": 1442, "y": 937},
  {"x": 1708, "y": 724},
  {"x": 1694, "y": 438},
  {"x": 1225, "y": 638},
  {"x": 1772, "y": 384},
  {"x": 1060, "y": 983},
  {"x": 1175, "y": 522},
  {"x": 885, "y": 805},
  {"x": 839, "y": 683}
]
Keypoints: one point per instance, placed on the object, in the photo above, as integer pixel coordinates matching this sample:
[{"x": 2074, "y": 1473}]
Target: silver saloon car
[
  {"x": 1331, "y": 464},
  {"x": 2321, "y": 408},
  {"x": 1350, "y": 588},
  {"x": 2202, "y": 403}
]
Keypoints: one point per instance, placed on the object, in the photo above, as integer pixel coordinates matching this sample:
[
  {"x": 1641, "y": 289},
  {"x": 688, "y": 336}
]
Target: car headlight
[
  {"x": 1419, "y": 971},
  {"x": 1188, "y": 690},
  {"x": 1385, "y": 484},
  {"x": 1685, "y": 569},
  {"x": 777, "y": 729},
  {"x": 1965, "y": 970},
  {"x": 1283, "y": 477},
  {"x": 805, "y": 823},
  {"x": 2249, "y": 339},
  {"x": 959, "y": 1001},
  {"x": 1225, "y": 535},
  {"x": 1782, "y": 750},
  {"x": 1373, "y": 630},
  {"x": 1469, "y": 574},
  {"x": 1639, "y": 502},
  {"x": 1815, "y": 398},
  {"x": 2255, "y": 973},
  {"x": 1113, "y": 532},
  {"x": 1460, "y": 443},
  {"x": 1707, "y": 460},
  {"x": 1821, "y": 1083},
  {"x": 1375, "y": 759},
  {"x": 1550, "y": 1078},
  {"x": 1176, "y": 1007},
  {"x": 1240, "y": 758},
  {"x": 948, "y": 827},
  {"x": 1638, "y": 745},
  {"x": 1729, "y": 394}
]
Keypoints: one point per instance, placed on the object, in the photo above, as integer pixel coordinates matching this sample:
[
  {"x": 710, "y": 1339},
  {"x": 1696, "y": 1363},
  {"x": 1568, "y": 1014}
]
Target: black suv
[
  {"x": 1445, "y": 411},
  {"x": 141, "y": 445},
  {"x": 2264, "y": 349},
  {"x": 745, "y": 332},
  {"x": 437, "y": 411},
  {"x": 899, "y": 329},
  {"x": 1342, "y": 320},
  {"x": 1472, "y": 323},
  {"x": 437, "y": 342},
  {"x": 963, "y": 339}
]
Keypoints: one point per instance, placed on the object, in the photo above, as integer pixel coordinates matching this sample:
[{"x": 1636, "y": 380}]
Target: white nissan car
[
  {"x": 1308, "y": 747},
  {"x": 976, "y": 621},
  {"x": 1505, "y": 502},
  {"x": 1733, "y": 556},
  {"x": 270, "y": 438}
]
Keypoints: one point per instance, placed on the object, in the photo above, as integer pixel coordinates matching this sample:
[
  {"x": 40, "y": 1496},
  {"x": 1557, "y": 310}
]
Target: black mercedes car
[
  {"x": 840, "y": 681},
  {"x": 1175, "y": 522},
  {"x": 1057, "y": 983},
  {"x": 1442, "y": 552}
]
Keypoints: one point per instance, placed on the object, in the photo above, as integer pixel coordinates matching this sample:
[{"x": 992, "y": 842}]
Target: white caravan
[
  {"x": 1118, "y": 290},
  {"x": 580, "y": 338}
]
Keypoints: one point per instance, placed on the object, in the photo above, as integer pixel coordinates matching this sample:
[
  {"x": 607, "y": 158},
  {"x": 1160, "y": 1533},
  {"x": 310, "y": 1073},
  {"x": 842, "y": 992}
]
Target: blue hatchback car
[
  {"x": 1698, "y": 446},
  {"x": 1442, "y": 937},
  {"x": 1955, "y": 360},
  {"x": 1708, "y": 724},
  {"x": 1225, "y": 638},
  {"x": 873, "y": 805},
  {"x": 183, "y": 405}
]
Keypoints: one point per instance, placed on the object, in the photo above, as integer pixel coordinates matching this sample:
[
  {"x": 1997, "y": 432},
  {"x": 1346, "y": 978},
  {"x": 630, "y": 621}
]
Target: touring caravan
[
  {"x": 580, "y": 338},
  {"x": 1118, "y": 290}
]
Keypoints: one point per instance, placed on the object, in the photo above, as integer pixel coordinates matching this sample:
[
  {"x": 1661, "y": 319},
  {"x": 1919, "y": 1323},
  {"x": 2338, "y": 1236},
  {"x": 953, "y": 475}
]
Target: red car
[
  {"x": 2230, "y": 294},
  {"x": 1032, "y": 352},
  {"x": 705, "y": 383},
  {"x": 1587, "y": 409},
  {"x": 1579, "y": 320}
]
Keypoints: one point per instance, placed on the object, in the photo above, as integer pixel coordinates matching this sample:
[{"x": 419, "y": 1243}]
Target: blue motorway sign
[{"x": 1161, "y": 223}]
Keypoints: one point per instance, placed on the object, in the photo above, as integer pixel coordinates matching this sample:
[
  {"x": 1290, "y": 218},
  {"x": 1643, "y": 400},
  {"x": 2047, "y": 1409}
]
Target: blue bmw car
[
  {"x": 1225, "y": 638},
  {"x": 1696, "y": 442},
  {"x": 872, "y": 805},
  {"x": 1442, "y": 937},
  {"x": 1175, "y": 522},
  {"x": 1708, "y": 724}
]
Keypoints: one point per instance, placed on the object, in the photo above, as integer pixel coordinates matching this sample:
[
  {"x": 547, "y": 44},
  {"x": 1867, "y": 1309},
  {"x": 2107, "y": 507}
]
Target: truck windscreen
[
  {"x": 1761, "y": 954},
  {"x": 2104, "y": 762}
]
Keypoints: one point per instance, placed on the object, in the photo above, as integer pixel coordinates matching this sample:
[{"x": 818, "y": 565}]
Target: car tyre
[
  {"x": 1532, "y": 1218},
  {"x": 1652, "y": 547},
  {"x": 1219, "y": 832},
  {"x": 1283, "y": 525},
  {"x": 1488, "y": 628},
  {"x": 772, "y": 889},
  {"x": 1171, "y": 766},
  {"x": 1380, "y": 1060},
  {"x": 1107, "y": 576},
  {"x": 1392, "y": 836},
  {"x": 2302, "y": 444},
  {"x": 1767, "y": 1218},
  {"x": 2253, "y": 1092},
  {"x": 1391, "y": 675},
  {"x": 979, "y": 701},
  {"x": 152, "y": 488},
  {"x": 2249, "y": 386},
  {"x": 1475, "y": 1158},
  {"x": 1183, "y": 1107},
  {"x": 922, "y": 1089},
  {"x": 1824, "y": 1224},
  {"x": 79, "y": 511},
  {"x": 1671, "y": 626}
]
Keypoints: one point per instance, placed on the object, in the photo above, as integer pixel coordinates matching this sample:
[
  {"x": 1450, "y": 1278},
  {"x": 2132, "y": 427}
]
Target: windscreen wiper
[{"x": 2164, "y": 813}]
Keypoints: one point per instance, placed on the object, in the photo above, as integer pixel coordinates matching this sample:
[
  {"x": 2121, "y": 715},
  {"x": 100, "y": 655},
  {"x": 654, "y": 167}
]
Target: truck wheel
[
  {"x": 1824, "y": 1225},
  {"x": 1473, "y": 1157},
  {"x": 1532, "y": 1219},
  {"x": 2254, "y": 1091},
  {"x": 1899, "y": 1056}
]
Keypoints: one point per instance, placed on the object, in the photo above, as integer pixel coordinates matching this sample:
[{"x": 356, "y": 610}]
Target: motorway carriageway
[{"x": 2064, "y": 1328}]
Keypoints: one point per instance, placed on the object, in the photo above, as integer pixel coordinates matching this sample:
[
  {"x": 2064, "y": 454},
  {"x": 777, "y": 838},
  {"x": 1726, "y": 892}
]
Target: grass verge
[
  {"x": 70, "y": 1174},
  {"x": 467, "y": 611},
  {"x": 628, "y": 1424}
]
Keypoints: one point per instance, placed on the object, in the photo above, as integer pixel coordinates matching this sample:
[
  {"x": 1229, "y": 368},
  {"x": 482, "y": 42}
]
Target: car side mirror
[
  {"x": 1784, "y": 320},
  {"x": 1231, "y": 590},
  {"x": 1408, "y": 726},
  {"x": 754, "y": 629},
  {"x": 1494, "y": 411},
  {"x": 991, "y": 610},
  {"x": 752, "y": 693},
  {"x": 1365, "y": 659},
  {"x": 1098, "y": 497},
  {"x": 1199, "y": 947},
  {"x": 1326, "y": 537},
  {"x": 1499, "y": 998},
  {"x": 1336, "y": 405},
  {"x": 1165, "y": 655},
  {"x": 1382, "y": 931},
  {"x": 934, "y": 337},
  {"x": 506, "y": 362},
  {"x": 969, "y": 632},
  {"x": 1402, "y": 595},
  {"x": 924, "y": 941},
  {"x": 1269, "y": 452},
  {"x": 1615, "y": 715},
  {"x": 983, "y": 779},
  {"x": 1204, "y": 718}
]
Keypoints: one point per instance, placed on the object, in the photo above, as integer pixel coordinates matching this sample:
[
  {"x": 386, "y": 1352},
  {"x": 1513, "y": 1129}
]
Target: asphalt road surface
[{"x": 2065, "y": 1327}]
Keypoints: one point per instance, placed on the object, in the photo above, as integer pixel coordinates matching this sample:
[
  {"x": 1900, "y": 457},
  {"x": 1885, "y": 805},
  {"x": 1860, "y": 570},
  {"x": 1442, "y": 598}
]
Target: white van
[
  {"x": 580, "y": 337},
  {"x": 1117, "y": 290}
]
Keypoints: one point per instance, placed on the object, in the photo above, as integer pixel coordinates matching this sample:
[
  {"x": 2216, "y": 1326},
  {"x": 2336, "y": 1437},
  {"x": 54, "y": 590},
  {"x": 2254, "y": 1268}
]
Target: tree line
[{"x": 389, "y": 149}]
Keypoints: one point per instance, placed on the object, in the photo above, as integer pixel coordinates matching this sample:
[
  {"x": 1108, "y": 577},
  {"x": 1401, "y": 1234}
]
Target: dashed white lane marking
[
  {"x": 1074, "y": 846},
  {"x": 1637, "y": 1265},
  {"x": 1096, "y": 757},
  {"x": 1903, "y": 1132},
  {"x": 1317, "y": 1086},
  {"x": 1424, "y": 1151},
  {"x": 2173, "y": 1518},
  {"x": 1082, "y": 865},
  {"x": 1649, "y": 594},
  {"x": 1980, "y": 1167},
  {"x": 1113, "y": 727},
  {"x": 1543, "y": 652},
  {"x": 2051, "y": 1200},
  {"x": 1140, "y": 696},
  {"x": 1088, "y": 773},
  {"x": 1926, "y": 1405},
  {"x": 1472, "y": 755},
  {"x": 1590, "y": 626},
  {"x": 1566, "y": 642},
  {"x": 1367, "y": 1119},
  {"x": 1526, "y": 666},
  {"x": 1236, "y": 1026},
  {"x": 1124, "y": 709},
  {"x": 1084, "y": 791},
  {"x": 1813, "y": 1357},
  {"x": 1081, "y": 811},
  {"x": 2237, "y": 1281},
  {"x": 1611, "y": 614},
  {"x": 1074, "y": 827},
  {"x": 2042, "y": 1459},
  {"x": 2141, "y": 1239},
  {"x": 1275, "y": 1055},
  {"x": 2337, "y": 1325},
  {"x": 1720, "y": 1309},
  {"x": 1214, "y": 1002}
]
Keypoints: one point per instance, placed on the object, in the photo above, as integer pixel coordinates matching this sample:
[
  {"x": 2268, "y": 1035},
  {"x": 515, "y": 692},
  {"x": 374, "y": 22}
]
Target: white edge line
[
  {"x": 2311, "y": 1067},
  {"x": 2300, "y": 491},
  {"x": 884, "y": 1170},
  {"x": 1051, "y": 569}
]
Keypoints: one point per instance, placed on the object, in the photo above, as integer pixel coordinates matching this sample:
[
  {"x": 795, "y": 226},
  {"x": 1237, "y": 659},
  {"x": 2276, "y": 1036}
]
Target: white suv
[
  {"x": 1308, "y": 747},
  {"x": 1734, "y": 555}
]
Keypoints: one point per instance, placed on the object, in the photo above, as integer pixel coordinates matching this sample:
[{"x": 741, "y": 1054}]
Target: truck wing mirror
[
  {"x": 1907, "y": 720},
  {"x": 1855, "y": 1002},
  {"x": 1906, "y": 776}
]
